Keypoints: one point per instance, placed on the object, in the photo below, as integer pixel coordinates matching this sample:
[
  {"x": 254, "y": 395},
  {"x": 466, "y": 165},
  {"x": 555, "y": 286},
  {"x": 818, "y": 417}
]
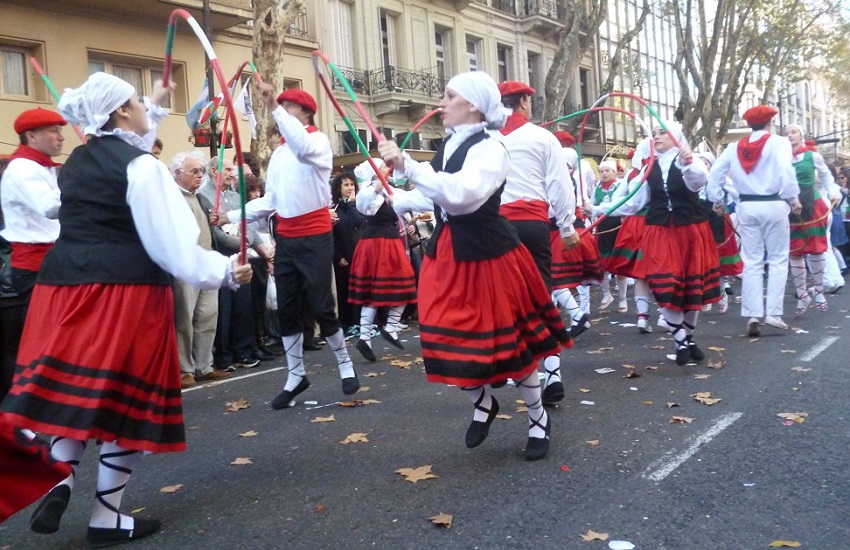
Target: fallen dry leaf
[
  {"x": 249, "y": 433},
  {"x": 785, "y": 544},
  {"x": 627, "y": 366},
  {"x": 716, "y": 348},
  {"x": 600, "y": 350},
  {"x": 401, "y": 364},
  {"x": 798, "y": 417},
  {"x": 233, "y": 406},
  {"x": 719, "y": 364},
  {"x": 137, "y": 510},
  {"x": 647, "y": 402},
  {"x": 371, "y": 374},
  {"x": 701, "y": 376},
  {"x": 320, "y": 509},
  {"x": 416, "y": 474},
  {"x": 584, "y": 390},
  {"x": 681, "y": 420},
  {"x": 504, "y": 416},
  {"x": 604, "y": 334},
  {"x": 355, "y": 438},
  {"x": 833, "y": 328},
  {"x": 753, "y": 340},
  {"x": 671, "y": 404},
  {"x": 657, "y": 348},
  {"x": 787, "y": 351},
  {"x": 242, "y": 461},
  {"x": 651, "y": 367},
  {"x": 705, "y": 398},
  {"x": 800, "y": 369},
  {"x": 357, "y": 402},
  {"x": 632, "y": 374},
  {"x": 593, "y": 442},
  {"x": 363, "y": 389},
  {"x": 593, "y": 535},
  {"x": 171, "y": 488},
  {"x": 442, "y": 520},
  {"x": 324, "y": 419},
  {"x": 522, "y": 409}
]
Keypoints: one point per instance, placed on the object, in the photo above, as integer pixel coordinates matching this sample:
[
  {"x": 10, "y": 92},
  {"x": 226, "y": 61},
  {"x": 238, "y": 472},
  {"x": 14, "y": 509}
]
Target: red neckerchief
[
  {"x": 805, "y": 147},
  {"x": 606, "y": 185},
  {"x": 749, "y": 152},
  {"x": 310, "y": 129},
  {"x": 514, "y": 121},
  {"x": 27, "y": 152}
]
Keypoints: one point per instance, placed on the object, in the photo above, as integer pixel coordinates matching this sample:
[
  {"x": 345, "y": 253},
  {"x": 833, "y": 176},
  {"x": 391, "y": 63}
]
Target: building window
[
  {"x": 388, "y": 40},
  {"x": 17, "y": 79},
  {"x": 142, "y": 73},
  {"x": 341, "y": 28},
  {"x": 584, "y": 86},
  {"x": 533, "y": 70},
  {"x": 349, "y": 144},
  {"x": 473, "y": 53},
  {"x": 503, "y": 56},
  {"x": 442, "y": 41}
]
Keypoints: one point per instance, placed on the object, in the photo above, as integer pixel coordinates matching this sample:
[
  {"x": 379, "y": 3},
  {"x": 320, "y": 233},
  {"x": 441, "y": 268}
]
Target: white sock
[
  {"x": 393, "y": 319},
  {"x": 337, "y": 343},
  {"x": 367, "y": 318},
  {"x": 482, "y": 399},
  {"x": 564, "y": 298},
  {"x": 293, "y": 346},
  {"x": 818, "y": 264},
  {"x": 798, "y": 274},
  {"x": 622, "y": 288},
  {"x": 584, "y": 298},
  {"x": 675, "y": 319},
  {"x": 529, "y": 391},
  {"x": 552, "y": 366},
  {"x": 69, "y": 451},
  {"x": 116, "y": 466}
]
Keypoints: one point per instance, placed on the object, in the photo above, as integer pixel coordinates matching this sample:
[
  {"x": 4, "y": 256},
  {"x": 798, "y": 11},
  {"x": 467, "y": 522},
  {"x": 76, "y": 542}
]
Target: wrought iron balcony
[
  {"x": 299, "y": 27},
  {"x": 391, "y": 79},
  {"x": 550, "y": 9},
  {"x": 358, "y": 80}
]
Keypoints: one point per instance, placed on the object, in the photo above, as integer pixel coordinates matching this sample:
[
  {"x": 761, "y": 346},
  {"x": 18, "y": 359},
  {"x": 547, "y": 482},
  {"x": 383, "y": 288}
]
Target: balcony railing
[
  {"x": 507, "y": 6},
  {"x": 391, "y": 79},
  {"x": 299, "y": 27},
  {"x": 358, "y": 80},
  {"x": 545, "y": 8}
]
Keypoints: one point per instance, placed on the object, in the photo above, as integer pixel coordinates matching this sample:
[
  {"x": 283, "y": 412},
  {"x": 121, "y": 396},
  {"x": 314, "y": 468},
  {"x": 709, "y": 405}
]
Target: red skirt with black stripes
[
  {"x": 99, "y": 361},
  {"x": 482, "y": 322},
  {"x": 571, "y": 268},
  {"x": 681, "y": 265},
  {"x": 626, "y": 258},
  {"x": 381, "y": 274}
]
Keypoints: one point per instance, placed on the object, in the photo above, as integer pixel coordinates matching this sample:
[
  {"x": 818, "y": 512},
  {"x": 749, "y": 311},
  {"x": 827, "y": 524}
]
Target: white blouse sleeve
[
  {"x": 635, "y": 203},
  {"x": 168, "y": 229},
  {"x": 832, "y": 189},
  {"x": 484, "y": 170},
  {"x": 695, "y": 174},
  {"x": 369, "y": 199},
  {"x": 410, "y": 201}
]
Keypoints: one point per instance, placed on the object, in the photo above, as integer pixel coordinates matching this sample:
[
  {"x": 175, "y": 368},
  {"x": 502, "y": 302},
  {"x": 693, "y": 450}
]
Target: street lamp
[{"x": 779, "y": 104}]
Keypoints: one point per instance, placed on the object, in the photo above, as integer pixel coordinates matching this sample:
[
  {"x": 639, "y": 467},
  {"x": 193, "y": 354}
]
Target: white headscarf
[
  {"x": 364, "y": 171},
  {"x": 571, "y": 156},
  {"x": 608, "y": 164},
  {"x": 665, "y": 159},
  {"x": 641, "y": 153},
  {"x": 480, "y": 90},
  {"x": 93, "y": 102},
  {"x": 708, "y": 156}
]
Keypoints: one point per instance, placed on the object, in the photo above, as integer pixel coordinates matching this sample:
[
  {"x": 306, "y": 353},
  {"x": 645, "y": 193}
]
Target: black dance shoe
[
  {"x": 350, "y": 385},
  {"x": 553, "y": 393},
  {"x": 45, "y": 519},
  {"x": 538, "y": 447},
  {"x": 580, "y": 326},
  {"x": 285, "y": 397},
  {"x": 696, "y": 353},
  {"x": 102, "y": 537},
  {"x": 366, "y": 351},
  {"x": 392, "y": 338},
  {"x": 683, "y": 355},
  {"x": 478, "y": 431}
]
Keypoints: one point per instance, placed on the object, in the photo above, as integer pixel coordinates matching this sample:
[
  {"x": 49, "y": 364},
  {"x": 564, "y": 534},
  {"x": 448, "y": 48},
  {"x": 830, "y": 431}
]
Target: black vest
[
  {"x": 98, "y": 241},
  {"x": 677, "y": 202},
  {"x": 481, "y": 235},
  {"x": 383, "y": 224}
]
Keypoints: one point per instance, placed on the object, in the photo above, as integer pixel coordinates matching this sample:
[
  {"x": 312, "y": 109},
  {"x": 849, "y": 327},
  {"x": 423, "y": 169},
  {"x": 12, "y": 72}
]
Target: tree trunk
[{"x": 271, "y": 20}]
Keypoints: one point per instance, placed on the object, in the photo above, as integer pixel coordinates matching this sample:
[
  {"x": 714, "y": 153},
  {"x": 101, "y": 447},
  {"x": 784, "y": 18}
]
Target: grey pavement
[{"x": 736, "y": 477}]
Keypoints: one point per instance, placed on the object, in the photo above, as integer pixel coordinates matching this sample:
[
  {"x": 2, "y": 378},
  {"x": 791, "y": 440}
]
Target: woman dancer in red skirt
[
  {"x": 484, "y": 311},
  {"x": 381, "y": 272},
  {"x": 98, "y": 356},
  {"x": 679, "y": 254},
  {"x": 809, "y": 229}
]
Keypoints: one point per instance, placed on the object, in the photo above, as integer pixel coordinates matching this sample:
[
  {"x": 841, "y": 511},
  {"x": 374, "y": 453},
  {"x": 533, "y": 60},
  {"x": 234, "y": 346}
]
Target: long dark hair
[{"x": 336, "y": 185}]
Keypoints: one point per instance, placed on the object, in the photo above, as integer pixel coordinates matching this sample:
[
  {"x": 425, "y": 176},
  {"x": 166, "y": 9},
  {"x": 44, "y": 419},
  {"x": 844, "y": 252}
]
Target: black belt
[{"x": 760, "y": 198}]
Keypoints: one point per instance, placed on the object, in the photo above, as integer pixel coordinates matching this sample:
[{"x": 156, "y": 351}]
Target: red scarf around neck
[
  {"x": 310, "y": 129},
  {"x": 27, "y": 152},
  {"x": 514, "y": 121},
  {"x": 749, "y": 152}
]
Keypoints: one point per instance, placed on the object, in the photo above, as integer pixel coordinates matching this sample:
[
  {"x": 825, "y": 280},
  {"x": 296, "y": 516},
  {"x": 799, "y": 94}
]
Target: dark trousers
[
  {"x": 349, "y": 314},
  {"x": 534, "y": 236},
  {"x": 234, "y": 337},
  {"x": 258, "y": 298},
  {"x": 11, "y": 326},
  {"x": 303, "y": 269}
]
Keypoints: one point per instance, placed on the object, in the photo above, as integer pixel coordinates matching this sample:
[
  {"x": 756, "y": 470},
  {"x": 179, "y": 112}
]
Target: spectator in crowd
[
  {"x": 347, "y": 222},
  {"x": 156, "y": 150}
]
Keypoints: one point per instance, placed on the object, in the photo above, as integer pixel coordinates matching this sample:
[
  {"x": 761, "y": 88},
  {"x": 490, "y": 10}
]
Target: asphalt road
[{"x": 735, "y": 477}]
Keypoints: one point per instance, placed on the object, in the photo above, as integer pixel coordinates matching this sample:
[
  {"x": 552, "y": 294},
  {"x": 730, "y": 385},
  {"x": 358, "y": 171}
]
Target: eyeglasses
[{"x": 194, "y": 171}]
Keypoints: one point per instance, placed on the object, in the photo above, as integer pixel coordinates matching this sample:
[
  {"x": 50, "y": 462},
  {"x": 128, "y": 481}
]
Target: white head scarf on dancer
[
  {"x": 665, "y": 159},
  {"x": 802, "y": 135},
  {"x": 641, "y": 153},
  {"x": 93, "y": 102},
  {"x": 480, "y": 90},
  {"x": 610, "y": 164},
  {"x": 364, "y": 171},
  {"x": 570, "y": 156}
]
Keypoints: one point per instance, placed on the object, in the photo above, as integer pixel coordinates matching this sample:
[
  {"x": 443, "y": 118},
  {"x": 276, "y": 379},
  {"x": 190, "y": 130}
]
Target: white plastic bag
[{"x": 271, "y": 294}]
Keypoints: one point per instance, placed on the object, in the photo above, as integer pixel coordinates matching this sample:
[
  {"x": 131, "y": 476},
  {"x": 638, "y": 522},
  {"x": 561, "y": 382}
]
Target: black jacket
[{"x": 347, "y": 231}]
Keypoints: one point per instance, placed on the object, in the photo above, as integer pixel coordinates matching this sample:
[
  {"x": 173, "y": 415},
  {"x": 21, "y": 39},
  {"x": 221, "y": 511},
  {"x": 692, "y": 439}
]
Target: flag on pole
[
  {"x": 243, "y": 105},
  {"x": 193, "y": 117}
]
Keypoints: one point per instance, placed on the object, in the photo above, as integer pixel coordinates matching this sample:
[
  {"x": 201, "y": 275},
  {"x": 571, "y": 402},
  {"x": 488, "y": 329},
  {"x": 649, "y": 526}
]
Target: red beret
[
  {"x": 759, "y": 114},
  {"x": 37, "y": 118},
  {"x": 512, "y": 87},
  {"x": 566, "y": 138},
  {"x": 299, "y": 97}
]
